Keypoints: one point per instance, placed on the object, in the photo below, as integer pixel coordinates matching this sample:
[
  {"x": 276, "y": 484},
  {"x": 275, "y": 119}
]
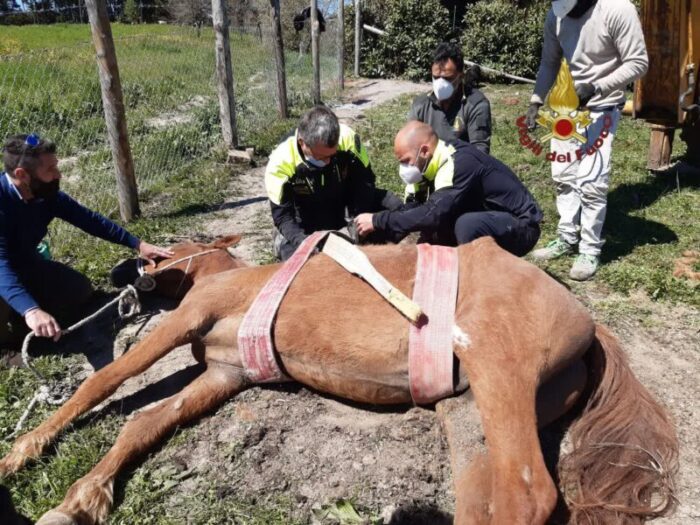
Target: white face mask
[
  {"x": 315, "y": 162},
  {"x": 442, "y": 88},
  {"x": 409, "y": 173}
]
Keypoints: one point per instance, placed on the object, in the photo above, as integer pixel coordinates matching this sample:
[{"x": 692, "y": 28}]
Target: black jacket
[
  {"x": 459, "y": 179},
  {"x": 469, "y": 120}
]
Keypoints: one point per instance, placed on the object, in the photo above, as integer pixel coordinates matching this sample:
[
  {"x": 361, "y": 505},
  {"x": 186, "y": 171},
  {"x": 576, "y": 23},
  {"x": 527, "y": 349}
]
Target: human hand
[
  {"x": 149, "y": 252},
  {"x": 42, "y": 324},
  {"x": 584, "y": 92},
  {"x": 363, "y": 223},
  {"x": 531, "y": 116}
]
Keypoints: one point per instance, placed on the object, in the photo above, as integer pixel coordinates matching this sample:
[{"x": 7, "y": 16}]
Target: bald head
[{"x": 414, "y": 137}]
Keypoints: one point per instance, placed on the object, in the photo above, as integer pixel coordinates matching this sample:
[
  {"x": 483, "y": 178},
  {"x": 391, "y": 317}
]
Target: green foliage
[
  {"x": 413, "y": 31},
  {"x": 500, "y": 35},
  {"x": 131, "y": 12}
]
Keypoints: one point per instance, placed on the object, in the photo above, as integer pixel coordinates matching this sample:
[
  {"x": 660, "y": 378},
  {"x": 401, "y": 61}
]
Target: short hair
[
  {"x": 449, "y": 51},
  {"x": 319, "y": 126},
  {"x": 18, "y": 154}
]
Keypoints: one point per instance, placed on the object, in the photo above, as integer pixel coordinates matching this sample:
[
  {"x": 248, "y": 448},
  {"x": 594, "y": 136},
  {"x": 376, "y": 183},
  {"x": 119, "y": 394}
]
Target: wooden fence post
[
  {"x": 224, "y": 73},
  {"x": 358, "y": 36},
  {"x": 315, "y": 53},
  {"x": 279, "y": 59},
  {"x": 113, "y": 103},
  {"x": 341, "y": 44}
]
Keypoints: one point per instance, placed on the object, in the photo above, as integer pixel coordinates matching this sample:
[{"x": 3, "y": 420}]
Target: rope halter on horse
[{"x": 146, "y": 282}]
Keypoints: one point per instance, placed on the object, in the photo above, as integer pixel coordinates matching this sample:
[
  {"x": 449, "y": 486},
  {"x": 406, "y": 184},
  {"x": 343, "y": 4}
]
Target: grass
[{"x": 652, "y": 218}]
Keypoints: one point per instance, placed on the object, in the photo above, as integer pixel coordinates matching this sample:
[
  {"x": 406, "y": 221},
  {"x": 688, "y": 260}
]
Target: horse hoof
[{"x": 54, "y": 517}]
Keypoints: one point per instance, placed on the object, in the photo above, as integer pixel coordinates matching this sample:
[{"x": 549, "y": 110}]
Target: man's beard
[{"x": 44, "y": 190}]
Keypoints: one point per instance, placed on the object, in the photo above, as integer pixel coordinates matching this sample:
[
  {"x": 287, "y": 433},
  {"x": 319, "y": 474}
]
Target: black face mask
[
  {"x": 581, "y": 8},
  {"x": 44, "y": 190}
]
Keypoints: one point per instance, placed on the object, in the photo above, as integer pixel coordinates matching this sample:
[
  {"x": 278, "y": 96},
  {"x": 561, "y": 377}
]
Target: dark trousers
[
  {"x": 518, "y": 236},
  {"x": 59, "y": 290}
]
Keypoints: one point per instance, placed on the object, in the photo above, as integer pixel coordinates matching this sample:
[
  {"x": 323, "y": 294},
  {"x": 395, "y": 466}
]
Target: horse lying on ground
[{"x": 515, "y": 329}]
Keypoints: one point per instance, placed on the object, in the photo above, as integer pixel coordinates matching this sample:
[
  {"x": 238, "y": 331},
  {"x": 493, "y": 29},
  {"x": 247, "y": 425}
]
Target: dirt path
[{"x": 289, "y": 442}]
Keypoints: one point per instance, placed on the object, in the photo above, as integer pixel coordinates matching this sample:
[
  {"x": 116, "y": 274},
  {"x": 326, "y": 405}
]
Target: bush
[
  {"x": 413, "y": 31},
  {"x": 500, "y": 35}
]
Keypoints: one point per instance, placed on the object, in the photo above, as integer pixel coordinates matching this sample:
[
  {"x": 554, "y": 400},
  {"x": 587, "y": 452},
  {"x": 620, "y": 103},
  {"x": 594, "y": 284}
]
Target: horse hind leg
[
  {"x": 89, "y": 499},
  {"x": 504, "y": 376},
  {"x": 177, "y": 329},
  {"x": 555, "y": 398}
]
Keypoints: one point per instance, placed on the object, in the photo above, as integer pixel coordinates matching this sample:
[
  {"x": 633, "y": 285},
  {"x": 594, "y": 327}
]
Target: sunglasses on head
[{"x": 32, "y": 141}]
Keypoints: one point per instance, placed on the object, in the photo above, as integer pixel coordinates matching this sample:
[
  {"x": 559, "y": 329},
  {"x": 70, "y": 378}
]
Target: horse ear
[{"x": 225, "y": 242}]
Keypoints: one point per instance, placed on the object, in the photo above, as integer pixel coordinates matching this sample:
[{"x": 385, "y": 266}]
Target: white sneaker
[
  {"x": 553, "y": 250},
  {"x": 585, "y": 266}
]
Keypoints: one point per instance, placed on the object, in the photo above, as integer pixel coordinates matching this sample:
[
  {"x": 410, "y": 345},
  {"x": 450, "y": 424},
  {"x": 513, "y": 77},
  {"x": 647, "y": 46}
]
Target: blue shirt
[{"x": 23, "y": 224}]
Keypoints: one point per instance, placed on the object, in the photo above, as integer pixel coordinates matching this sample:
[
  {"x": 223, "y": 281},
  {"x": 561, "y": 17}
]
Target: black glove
[
  {"x": 531, "y": 116},
  {"x": 584, "y": 92}
]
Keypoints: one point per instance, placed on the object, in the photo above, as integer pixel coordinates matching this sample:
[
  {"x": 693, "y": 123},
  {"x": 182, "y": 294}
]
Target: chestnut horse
[{"x": 515, "y": 328}]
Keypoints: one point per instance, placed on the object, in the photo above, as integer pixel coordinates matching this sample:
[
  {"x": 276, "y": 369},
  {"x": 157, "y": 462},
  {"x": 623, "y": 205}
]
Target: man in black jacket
[
  {"x": 455, "y": 109},
  {"x": 316, "y": 178},
  {"x": 455, "y": 194}
]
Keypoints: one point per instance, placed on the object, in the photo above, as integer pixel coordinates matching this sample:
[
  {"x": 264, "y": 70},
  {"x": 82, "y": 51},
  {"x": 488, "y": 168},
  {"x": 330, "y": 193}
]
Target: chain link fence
[{"x": 168, "y": 80}]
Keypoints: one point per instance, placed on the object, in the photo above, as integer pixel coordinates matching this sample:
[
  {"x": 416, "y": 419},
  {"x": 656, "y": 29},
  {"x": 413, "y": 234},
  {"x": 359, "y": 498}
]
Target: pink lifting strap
[
  {"x": 430, "y": 357},
  {"x": 255, "y": 332}
]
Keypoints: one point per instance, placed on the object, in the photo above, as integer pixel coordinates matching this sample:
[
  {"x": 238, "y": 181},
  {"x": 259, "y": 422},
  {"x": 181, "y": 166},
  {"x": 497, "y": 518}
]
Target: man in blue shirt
[{"x": 35, "y": 288}]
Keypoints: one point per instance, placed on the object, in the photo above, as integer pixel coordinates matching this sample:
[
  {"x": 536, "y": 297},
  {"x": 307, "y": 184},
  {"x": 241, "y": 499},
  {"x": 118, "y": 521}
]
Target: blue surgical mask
[{"x": 315, "y": 162}]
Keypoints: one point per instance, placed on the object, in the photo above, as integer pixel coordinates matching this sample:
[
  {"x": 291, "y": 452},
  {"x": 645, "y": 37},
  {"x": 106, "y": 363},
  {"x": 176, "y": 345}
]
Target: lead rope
[{"x": 128, "y": 306}]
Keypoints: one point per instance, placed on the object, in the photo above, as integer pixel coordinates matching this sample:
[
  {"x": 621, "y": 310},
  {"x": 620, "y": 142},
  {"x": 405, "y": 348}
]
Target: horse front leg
[
  {"x": 177, "y": 329},
  {"x": 89, "y": 499}
]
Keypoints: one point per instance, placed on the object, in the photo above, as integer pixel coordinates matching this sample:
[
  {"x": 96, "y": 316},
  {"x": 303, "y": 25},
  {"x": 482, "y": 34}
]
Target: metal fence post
[
  {"x": 341, "y": 44},
  {"x": 113, "y": 102},
  {"x": 279, "y": 59},
  {"x": 224, "y": 73},
  {"x": 315, "y": 53},
  {"x": 358, "y": 36}
]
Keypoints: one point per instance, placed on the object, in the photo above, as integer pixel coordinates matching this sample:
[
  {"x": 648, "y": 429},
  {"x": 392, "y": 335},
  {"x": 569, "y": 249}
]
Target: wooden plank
[
  {"x": 113, "y": 103},
  {"x": 461, "y": 422},
  {"x": 315, "y": 59},
  {"x": 341, "y": 44},
  {"x": 282, "y": 105},
  {"x": 358, "y": 36},
  {"x": 660, "y": 147},
  {"x": 355, "y": 261},
  {"x": 224, "y": 73},
  {"x": 656, "y": 96}
]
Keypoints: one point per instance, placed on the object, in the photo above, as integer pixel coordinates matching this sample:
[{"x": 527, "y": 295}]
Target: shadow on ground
[{"x": 624, "y": 231}]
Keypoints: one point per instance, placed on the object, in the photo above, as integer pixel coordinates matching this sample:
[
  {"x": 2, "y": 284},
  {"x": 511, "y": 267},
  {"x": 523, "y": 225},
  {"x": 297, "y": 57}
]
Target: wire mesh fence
[{"x": 168, "y": 80}]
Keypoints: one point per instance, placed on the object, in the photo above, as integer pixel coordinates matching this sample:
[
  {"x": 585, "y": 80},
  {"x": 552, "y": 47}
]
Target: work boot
[
  {"x": 553, "y": 250},
  {"x": 585, "y": 266}
]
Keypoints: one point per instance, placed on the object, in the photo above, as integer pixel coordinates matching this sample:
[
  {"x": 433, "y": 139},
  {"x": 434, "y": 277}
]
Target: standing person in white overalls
[{"x": 603, "y": 43}]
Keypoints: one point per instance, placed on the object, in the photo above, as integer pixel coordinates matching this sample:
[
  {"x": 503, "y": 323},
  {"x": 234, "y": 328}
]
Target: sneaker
[
  {"x": 585, "y": 266},
  {"x": 553, "y": 250}
]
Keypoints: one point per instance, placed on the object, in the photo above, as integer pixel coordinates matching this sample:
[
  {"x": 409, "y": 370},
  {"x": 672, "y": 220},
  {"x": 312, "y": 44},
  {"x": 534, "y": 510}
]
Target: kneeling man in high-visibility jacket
[{"x": 455, "y": 194}]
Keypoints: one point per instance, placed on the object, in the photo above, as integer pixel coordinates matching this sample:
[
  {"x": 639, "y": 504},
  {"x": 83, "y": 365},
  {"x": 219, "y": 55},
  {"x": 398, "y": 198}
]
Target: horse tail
[{"x": 624, "y": 447}]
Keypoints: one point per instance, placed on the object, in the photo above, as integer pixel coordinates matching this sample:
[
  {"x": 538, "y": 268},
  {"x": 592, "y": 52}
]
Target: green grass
[
  {"x": 49, "y": 85},
  {"x": 651, "y": 219}
]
